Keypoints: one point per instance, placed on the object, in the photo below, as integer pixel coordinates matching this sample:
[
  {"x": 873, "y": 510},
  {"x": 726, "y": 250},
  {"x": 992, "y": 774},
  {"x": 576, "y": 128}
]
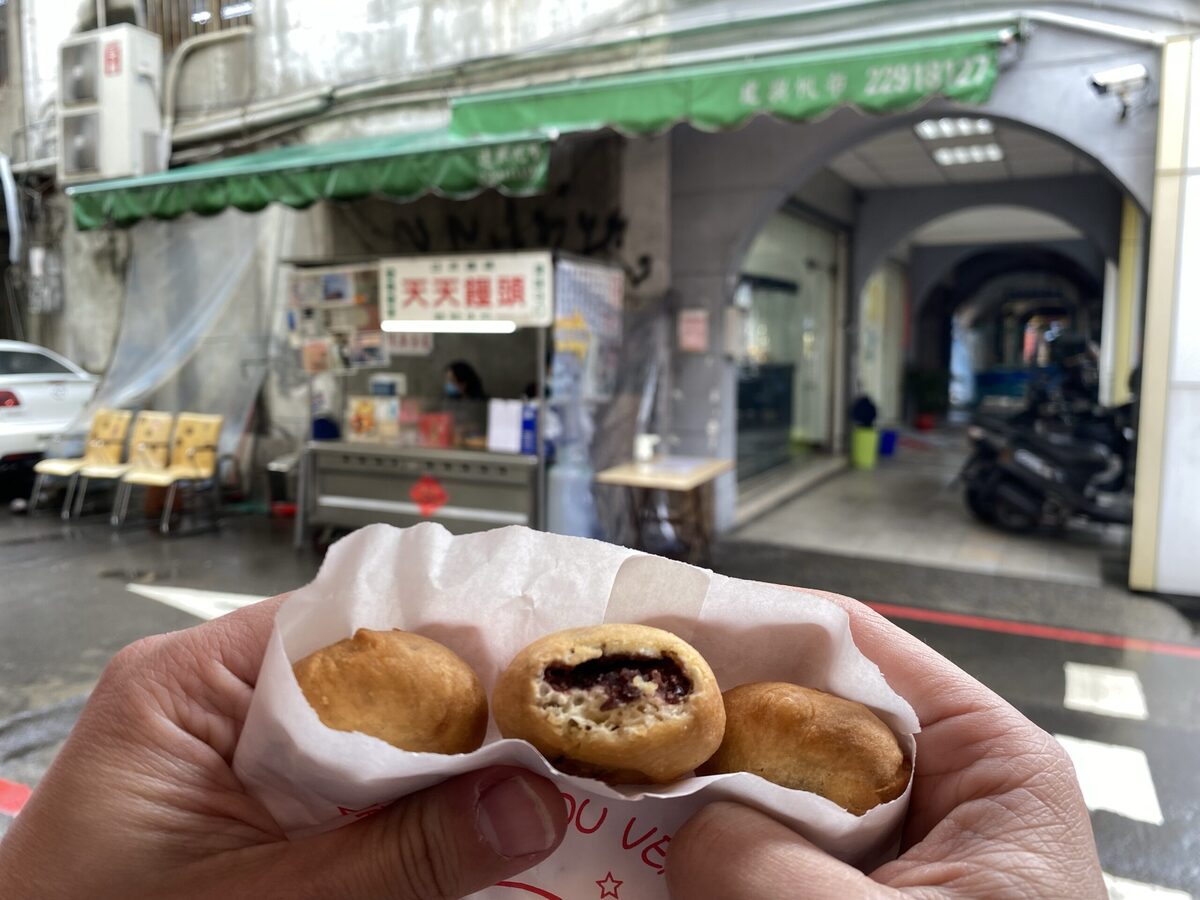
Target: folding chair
[
  {"x": 105, "y": 443},
  {"x": 193, "y": 461},
  {"x": 149, "y": 446}
]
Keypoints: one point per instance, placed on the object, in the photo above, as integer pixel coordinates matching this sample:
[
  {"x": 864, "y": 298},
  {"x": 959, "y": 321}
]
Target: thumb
[
  {"x": 731, "y": 852},
  {"x": 447, "y": 841}
]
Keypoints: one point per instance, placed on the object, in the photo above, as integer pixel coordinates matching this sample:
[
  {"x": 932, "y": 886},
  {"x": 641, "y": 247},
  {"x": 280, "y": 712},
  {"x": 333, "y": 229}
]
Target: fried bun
[{"x": 628, "y": 704}]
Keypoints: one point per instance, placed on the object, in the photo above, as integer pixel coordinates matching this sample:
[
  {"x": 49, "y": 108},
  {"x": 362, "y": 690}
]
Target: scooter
[{"x": 1029, "y": 470}]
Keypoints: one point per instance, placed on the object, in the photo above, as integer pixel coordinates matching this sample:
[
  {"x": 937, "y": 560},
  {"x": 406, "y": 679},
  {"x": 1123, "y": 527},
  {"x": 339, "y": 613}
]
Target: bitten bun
[
  {"x": 402, "y": 688},
  {"x": 627, "y": 704},
  {"x": 811, "y": 741}
]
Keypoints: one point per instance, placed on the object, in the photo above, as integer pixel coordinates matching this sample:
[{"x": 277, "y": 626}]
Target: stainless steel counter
[{"x": 348, "y": 485}]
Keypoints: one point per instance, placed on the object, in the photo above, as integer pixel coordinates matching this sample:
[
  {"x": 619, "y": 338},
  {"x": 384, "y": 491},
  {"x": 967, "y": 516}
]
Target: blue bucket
[{"x": 887, "y": 442}]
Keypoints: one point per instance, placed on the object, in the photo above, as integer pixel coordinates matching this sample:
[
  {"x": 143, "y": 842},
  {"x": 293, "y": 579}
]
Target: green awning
[
  {"x": 875, "y": 78},
  {"x": 398, "y": 165}
]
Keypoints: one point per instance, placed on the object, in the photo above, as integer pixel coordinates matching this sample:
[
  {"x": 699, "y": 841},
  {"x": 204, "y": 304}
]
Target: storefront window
[
  {"x": 404, "y": 388},
  {"x": 785, "y": 377}
]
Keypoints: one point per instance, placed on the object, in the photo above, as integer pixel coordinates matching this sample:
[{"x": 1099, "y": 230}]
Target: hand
[
  {"x": 142, "y": 802},
  {"x": 995, "y": 812}
]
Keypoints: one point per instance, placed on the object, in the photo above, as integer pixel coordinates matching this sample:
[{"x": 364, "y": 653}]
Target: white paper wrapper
[{"x": 488, "y": 595}]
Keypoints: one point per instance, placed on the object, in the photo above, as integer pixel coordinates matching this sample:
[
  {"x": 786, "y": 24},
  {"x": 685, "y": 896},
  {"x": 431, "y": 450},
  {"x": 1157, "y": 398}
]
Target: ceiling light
[
  {"x": 964, "y": 154},
  {"x": 236, "y": 10},
  {"x": 202, "y": 17},
  {"x": 945, "y": 128},
  {"x": 451, "y": 326}
]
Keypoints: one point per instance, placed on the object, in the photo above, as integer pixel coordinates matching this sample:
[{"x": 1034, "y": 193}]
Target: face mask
[{"x": 452, "y": 389}]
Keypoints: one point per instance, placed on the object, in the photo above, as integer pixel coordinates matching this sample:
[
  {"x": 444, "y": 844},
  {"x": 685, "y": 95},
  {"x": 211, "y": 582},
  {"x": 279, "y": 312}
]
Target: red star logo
[{"x": 608, "y": 886}]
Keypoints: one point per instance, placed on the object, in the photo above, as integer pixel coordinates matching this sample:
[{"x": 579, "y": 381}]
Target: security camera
[{"x": 1122, "y": 82}]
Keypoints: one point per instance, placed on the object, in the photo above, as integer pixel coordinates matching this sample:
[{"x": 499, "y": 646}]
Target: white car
[{"x": 42, "y": 398}]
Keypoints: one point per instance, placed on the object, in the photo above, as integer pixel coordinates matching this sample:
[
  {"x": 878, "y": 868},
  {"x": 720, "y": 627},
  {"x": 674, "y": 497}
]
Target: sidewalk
[{"x": 908, "y": 510}]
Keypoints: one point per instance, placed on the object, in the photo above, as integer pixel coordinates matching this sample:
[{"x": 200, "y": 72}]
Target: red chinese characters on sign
[
  {"x": 407, "y": 343},
  {"x": 515, "y": 287},
  {"x": 112, "y": 58},
  {"x": 428, "y": 494},
  {"x": 414, "y": 292},
  {"x": 510, "y": 290},
  {"x": 478, "y": 293},
  {"x": 446, "y": 291}
]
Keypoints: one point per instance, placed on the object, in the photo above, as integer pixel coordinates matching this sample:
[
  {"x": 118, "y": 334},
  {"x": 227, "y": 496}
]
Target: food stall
[{"x": 385, "y": 441}]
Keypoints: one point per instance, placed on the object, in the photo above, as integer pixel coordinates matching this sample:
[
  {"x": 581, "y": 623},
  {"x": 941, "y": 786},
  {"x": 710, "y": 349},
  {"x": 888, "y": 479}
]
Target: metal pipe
[
  {"x": 12, "y": 210},
  {"x": 297, "y": 106},
  {"x": 34, "y": 166},
  {"x": 998, "y": 18},
  {"x": 329, "y": 100},
  {"x": 228, "y": 124},
  {"x": 867, "y": 35},
  {"x": 721, "y": 22},
  {"x": 350, "y": 99},
  {"x": 172, "y": 75},
  {"x": 101, "y": 14},
  {"x": 1103, "y": 29}
]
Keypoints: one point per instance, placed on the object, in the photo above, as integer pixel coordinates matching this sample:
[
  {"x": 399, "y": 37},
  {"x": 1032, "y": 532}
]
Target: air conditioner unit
[{"x": 109, "y": 121}]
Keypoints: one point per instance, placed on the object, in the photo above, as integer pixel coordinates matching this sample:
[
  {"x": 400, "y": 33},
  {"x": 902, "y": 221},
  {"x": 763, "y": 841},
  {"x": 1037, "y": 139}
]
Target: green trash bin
[{"x": 864, "y": 447}]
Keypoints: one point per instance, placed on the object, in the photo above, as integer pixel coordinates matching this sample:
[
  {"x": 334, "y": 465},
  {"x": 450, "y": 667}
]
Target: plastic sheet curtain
[
  {"x": 195, "y": 325},
  {"x": 639, "y": 404}
]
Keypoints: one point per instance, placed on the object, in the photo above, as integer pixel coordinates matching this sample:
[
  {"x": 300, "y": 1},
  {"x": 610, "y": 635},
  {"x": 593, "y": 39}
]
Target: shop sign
[
  {"x": 408, "y": 343},
  {"x": 515, "y": 287},
  {"x": 802, "y": 90},
  {"x": 587, "y": 332}
]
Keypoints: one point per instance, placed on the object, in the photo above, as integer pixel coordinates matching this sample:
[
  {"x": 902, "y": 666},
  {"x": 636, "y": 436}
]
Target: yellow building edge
[{"x": 1161, "y": 286}]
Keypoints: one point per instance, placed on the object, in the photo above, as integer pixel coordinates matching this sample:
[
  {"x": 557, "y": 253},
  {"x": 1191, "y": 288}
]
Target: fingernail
[{"x": 513, "y": 820}]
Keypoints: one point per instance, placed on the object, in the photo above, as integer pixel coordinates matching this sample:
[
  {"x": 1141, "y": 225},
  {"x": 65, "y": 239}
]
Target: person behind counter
[
  {"x": 466, "y": 401},
  {"x": 463, "y": 382}
]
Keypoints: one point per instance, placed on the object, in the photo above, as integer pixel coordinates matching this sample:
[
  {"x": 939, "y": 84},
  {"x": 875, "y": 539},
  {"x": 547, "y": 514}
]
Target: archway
[
  {"x": 754, "y": 173},
  {"x": 990, "y": 317},
  {"x": 939, "y": 273},
  {"x": 846, "y": 274}
]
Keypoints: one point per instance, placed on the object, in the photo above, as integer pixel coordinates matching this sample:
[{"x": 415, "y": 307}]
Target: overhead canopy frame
[{"x": 397, "y": 165}]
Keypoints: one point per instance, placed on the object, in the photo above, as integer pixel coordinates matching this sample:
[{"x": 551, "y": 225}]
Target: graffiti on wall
[{"x": 558, "y": 220}]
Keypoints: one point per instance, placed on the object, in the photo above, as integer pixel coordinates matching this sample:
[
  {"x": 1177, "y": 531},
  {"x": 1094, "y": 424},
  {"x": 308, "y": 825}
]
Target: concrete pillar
[
  {"x": 1167, "y": 502},
  {"x": 1131, "y": 267},
  {"x": 845, "y": 336},
  {"x": 1108, "y": 332}
]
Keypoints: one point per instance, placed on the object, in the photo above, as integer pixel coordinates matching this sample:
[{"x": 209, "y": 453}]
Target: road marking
[
  {"x": 12, "y": 797},
  {"x": 1114, "y": 778},
  {"x": 1103, "y": 690},
  {"x": 1128, "y": 889},
  {"x": 202, "y": 604},
  {"x": 1031, "y": 629}
]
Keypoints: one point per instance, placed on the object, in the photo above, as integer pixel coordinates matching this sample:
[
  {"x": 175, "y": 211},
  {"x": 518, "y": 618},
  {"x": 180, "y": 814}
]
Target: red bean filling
[{"x": 615, "y": 675}]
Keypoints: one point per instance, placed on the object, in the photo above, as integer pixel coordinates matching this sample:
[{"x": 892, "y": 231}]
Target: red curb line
[
  {"x": 1029, "y": 629},
  {"x": 12, "y": 797}
]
